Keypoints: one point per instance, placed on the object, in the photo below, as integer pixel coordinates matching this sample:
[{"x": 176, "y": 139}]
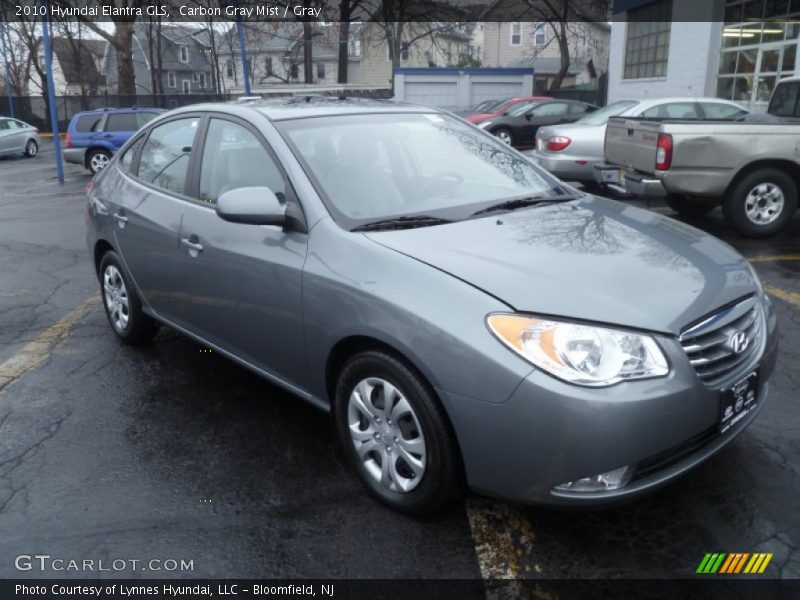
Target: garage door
[
  {"x": 432, "y": 93},
  {"x": 490, "y": 91}
]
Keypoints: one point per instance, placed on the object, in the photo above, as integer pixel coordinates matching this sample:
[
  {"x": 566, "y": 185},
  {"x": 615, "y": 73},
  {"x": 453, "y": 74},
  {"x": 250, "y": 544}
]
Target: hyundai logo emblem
[{"x": 739, "y": 342}]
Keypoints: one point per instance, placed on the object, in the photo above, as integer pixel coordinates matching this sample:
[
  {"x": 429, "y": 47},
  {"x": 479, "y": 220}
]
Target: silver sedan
[
  {"x": 568, "y": 151},
  {"x": 17, "y": 137}
]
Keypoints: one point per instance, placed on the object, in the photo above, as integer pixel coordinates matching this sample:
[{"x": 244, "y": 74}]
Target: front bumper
[
  {"x": 564, "y": 166},
  {"x": 549, "y": 432},
  {"x": 75, "y": 156},
  {"x": 628, "y": 182}
]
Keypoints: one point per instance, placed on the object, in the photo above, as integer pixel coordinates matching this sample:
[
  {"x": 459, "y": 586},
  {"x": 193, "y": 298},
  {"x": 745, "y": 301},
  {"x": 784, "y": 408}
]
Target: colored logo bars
[{"x": 734, "y": 563}]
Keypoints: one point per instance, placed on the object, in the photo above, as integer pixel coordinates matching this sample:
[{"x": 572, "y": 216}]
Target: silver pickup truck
[{"x": 751, "y": 168}]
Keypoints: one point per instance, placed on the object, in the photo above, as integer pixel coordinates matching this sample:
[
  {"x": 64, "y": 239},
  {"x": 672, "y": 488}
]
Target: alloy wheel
[
  {"x": 764, "y": 203},
  {"x": 116, "y": 297},
  {"x": 98, "y": 162},
  {"x": 504, "y": 137},
  {"x": 31, "y": 148}
]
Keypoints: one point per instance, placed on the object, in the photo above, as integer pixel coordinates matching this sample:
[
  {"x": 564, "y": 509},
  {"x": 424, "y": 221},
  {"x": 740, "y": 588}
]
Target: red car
[{"x": 502, "y": 107}]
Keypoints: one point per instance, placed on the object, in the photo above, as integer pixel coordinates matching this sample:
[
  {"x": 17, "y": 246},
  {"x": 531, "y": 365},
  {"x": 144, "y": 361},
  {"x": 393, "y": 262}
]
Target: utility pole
[
  {"x": 48, "y": 65},
  {"x": 8, "y": 70},
  {"x": 243, "y": 51}
]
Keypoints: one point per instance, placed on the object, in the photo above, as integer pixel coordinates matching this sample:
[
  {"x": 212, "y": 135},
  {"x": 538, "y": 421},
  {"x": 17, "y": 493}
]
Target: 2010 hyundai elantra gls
[{"x": 468, "y": 319}]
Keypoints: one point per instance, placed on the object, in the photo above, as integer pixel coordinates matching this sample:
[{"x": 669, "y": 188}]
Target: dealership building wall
[{"x": 705, "y": 52}]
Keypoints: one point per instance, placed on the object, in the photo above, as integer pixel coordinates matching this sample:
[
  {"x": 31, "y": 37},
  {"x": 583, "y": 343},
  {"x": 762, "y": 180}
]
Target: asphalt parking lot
[{"x": 172, "y": 452}]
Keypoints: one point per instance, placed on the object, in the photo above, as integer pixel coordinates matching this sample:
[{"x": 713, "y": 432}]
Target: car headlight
[
  {"x": 578, "y": 353},
  {"x": 484, "y": 125}
]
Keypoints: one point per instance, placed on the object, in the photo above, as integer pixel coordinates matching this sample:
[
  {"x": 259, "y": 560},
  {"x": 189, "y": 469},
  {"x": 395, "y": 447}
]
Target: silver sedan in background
[
  {"x": 568, "y": 151},
  {"x": 17, "y": 137}
]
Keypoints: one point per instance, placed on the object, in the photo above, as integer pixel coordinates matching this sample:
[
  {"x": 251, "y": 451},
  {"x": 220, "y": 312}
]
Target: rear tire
[
  {"x": 97, "y": 160},
  {"x": 412, "y": 464},
  {"x": 688, "y": 206},
  {"x": 123, "y": 309},
  {"x": 31, "y": 148},
  {"x": 762, "y": 203},
  {"x": 504, "y": 135}
]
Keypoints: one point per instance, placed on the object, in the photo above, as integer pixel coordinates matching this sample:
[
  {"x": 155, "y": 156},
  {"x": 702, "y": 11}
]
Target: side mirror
[
  {"x": 528, "y": 115},
  {"x": 252, "y": 205}
]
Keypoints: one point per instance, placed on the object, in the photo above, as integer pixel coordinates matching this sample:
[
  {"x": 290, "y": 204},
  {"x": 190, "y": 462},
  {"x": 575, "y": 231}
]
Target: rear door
[
  {"x": 542, "y": 115},
  {"x": 119, "y": 127},
  {"x": 17, "y": 135},
  {"x": 241, "y": 284},
  {"x": 148, "y": 210}
]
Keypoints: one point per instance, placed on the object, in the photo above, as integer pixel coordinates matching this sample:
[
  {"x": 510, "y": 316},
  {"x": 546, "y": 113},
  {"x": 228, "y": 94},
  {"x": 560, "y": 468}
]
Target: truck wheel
[
  {"x": 688, "y": 206},
  {"x": 762, "y": 203}
]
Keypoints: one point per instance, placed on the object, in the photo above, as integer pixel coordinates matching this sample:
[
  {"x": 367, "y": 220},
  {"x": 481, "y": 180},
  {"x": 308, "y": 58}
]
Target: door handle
[
  {"x": 192, "y": 245},
  {"x": 108, "y": 135},
  {"x": 120, "y": 218}
]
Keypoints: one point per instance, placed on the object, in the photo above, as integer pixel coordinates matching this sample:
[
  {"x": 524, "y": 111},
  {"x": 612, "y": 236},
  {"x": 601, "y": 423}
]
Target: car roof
[
  {"x": 104, "y": 111},
  {"x": 298, "y": 107},
  {"x": 658, "y": 101}
]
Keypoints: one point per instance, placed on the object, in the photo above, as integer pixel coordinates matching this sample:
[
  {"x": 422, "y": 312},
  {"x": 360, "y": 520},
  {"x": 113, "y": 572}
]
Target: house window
[
  {"x": 184, "y": 54},
  {"x": 540, "y": 35},
  {"x": 202, "y": 80},
  {"x": 229, "y": 69},
  {"x": 354, "y": 47},
  {"x": 186, "y": 86},
  {"x": 171, "y": 79},
  {"x": 320, "y": 70},
  {"x": 195, "y": 77},
  {"x": 293, "y": 72},
  {"x": 516, "y": 34},
  {"x": 268, "y": 65},
  {"x": 404, "y": 51},
  {"x": 647, "y": 41}
]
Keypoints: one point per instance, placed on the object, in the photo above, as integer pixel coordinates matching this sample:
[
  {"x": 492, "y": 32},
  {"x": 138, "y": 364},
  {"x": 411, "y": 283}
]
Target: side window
[
  {"x": 716, "y": 110},
  {"x": 674, "y": 110},
  {"x": 87, "y": 123},
  {"x": 4, "y": 124},
  {"x": 122, "y": 122},
  {"x": 784, "y": 100},
  {"x": 552, "y": 109},
  {"x": 232, "y": 158},
  {"x": 126, "y": 160},
  {"x": 12, "y": 124},
  {"x": 579, "y": 109},
  {"x": 165, "y": 154},
  {"x": 145, "y": 117}
]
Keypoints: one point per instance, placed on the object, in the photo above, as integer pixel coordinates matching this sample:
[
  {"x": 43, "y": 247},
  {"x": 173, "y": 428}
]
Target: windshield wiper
[
  {"x": 401, "y": 223},
  {"x": 520, "y": 203}
]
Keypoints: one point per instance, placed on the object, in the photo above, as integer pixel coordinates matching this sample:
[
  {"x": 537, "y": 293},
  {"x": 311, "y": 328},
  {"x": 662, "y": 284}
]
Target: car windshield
[
  {"x": 487, "y": 106},
  {"x": 520, "y": 108},
  {"x": 381, "y": 166},
  {"x": 601, "y": 116}
]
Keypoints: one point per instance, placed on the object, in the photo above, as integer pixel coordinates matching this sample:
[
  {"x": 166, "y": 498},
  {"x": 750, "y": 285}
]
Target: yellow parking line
[
  {"x": 790, "y": 297},
  {"x": 776, "y": 258},
  {"x": 36, "y": 352}
]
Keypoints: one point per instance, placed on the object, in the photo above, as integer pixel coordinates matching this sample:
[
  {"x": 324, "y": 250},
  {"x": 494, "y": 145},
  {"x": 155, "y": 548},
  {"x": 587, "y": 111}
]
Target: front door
[
  {"x": 541, "y": 116},
  {"x": 242, "y": 283}
]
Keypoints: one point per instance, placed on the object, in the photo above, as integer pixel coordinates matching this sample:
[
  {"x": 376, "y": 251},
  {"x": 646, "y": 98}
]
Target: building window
[
  {"x": 229, "y": 69},
  {"x": 647, "y": 41},
  {"x": 186, "y": 86},
  {"x": 540, "y": 35},
  {"x": 184, "y": 54},
  {"x": 516, "y": 34},
  {"x": 320, "y": 71},
  {"x": 404, "y": 51},
  {"x": 268, "y": 65},
  {"x": 354, "y": 47},
  {"x": 293, "y": 72},
  {"x": 202, "y": 80},
  {"x": 171, "y": 79}
]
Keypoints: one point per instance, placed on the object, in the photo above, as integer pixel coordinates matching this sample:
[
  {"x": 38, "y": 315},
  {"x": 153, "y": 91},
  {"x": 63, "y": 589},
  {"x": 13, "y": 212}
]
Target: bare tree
[{"x": 17, "y": 55}]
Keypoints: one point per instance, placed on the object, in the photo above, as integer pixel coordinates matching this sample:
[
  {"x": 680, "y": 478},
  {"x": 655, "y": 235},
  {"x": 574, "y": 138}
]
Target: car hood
[
  {"x": 591, "y": 258},
  {"x": 478, "y": 117}
]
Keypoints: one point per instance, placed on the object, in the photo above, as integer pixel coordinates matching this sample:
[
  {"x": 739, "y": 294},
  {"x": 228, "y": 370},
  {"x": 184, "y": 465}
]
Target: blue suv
[{"x": 94, "y": 136}]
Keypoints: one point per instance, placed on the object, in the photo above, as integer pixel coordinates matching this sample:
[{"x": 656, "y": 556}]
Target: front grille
[{"x": 711, "y": 343}]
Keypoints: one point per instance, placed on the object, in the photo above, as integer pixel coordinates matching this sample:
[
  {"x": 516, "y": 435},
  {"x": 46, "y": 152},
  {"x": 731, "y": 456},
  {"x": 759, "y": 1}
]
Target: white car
[
  {"x": 17, "y": 137},
  {"x": 568, "y": 151}
]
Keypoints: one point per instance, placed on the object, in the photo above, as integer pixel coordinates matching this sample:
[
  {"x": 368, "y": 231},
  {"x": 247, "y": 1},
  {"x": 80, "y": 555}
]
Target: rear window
[
  {"x": 784, "y": 100},
  {"x": 122, "y": 122},
  {"x": 673, "y": 110},
  {"x": 87, "y": 123},
  {"x": 717, "y": 110}
]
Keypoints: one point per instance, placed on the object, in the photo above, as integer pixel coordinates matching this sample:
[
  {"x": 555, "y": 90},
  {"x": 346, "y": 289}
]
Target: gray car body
[
  {"x": 292, "y": 304},
  {"x": 13, "y": 141},
  {"x": 574, "y": 163}
]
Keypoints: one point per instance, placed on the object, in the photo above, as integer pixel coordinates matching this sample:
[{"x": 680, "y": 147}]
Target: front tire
[
  {"x": 97, "y": 160},
  {"x": 396, "y": 434},
  {"x": 504, "y": 135},
  {"x": 31, "y": 149},
  {"x": 762, "y": 203},
  {"x": 687, "y": 206},
  {"x": 123, "y": 309}
]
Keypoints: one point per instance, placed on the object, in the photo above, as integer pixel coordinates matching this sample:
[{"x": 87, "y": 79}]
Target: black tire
[
  {"x": 442, "y": 480},
  {"x": 31, "y": 148},
  {"x": 139, "y": 327},
  {"x": 97, "y": 156},
  {"x": 734, "y": 206},
  {"x": 504, "y": 131},
  {"x": 687, "y": 206}
]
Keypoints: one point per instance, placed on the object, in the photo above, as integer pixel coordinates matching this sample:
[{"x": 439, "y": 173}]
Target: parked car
[
  {"x": 748, "y": 164},
  {"x": 94, "y": 136},
  {"x": 482, "y": 107},
  {"x": 17, "y": 137},
  {"x": 503, "y": 107},
  {"x": 519, "y": 126},
  {"x": 465, "y": 316},
  {"x": 570, "y": 151}
]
